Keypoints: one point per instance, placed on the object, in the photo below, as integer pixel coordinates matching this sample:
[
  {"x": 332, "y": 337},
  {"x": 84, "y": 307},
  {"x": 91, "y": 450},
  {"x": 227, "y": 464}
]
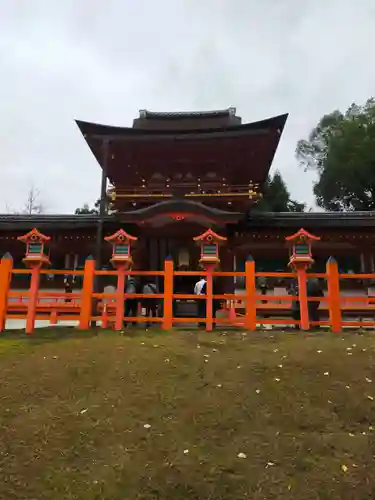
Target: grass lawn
[{"x": 187, "y": 416}]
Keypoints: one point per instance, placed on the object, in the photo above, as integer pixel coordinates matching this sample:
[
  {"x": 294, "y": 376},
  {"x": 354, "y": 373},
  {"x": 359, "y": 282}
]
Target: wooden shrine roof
[{"x": 236, "y": 154}]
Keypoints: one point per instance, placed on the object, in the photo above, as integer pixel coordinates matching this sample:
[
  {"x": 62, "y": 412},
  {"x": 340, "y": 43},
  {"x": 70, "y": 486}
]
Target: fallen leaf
[{"x": 344, "y": 468}]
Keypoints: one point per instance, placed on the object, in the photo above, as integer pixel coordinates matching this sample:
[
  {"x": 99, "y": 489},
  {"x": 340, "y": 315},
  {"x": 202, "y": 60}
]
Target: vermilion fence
[{"x": 247, "y": 310}]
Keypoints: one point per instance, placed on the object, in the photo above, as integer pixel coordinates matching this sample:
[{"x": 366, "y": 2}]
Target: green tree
[
  {"x": 341, "y": 149},
  {"x": 276, "y": 197},
  {"x": 85, "y": 209}
]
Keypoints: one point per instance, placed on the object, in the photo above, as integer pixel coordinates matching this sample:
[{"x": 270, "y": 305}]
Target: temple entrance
[{"x": 185, "y": 254}]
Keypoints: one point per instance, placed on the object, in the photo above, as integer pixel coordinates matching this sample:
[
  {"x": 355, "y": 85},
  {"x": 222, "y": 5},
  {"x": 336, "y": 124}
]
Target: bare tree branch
[{"x": 33, "y": 204}]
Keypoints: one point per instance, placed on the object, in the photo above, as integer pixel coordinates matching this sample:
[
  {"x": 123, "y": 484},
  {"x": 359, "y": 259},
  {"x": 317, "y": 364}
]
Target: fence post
[
  {"x": 302, "y": 297},
  {"x": 33, "y": 297},
  {"x": 250, "y": 295},
  {"x": 168, "y": 294},
  {"x": 334, "y": 306},
  {"x": 6, "y": 266},
  {"x": 86, "y": 297},
  {"x": 120, "y": 306},
  {"x": 209, "y": 298}
]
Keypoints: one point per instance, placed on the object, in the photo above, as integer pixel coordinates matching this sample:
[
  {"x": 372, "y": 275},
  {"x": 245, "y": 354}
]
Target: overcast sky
[{"x": 102, "y": 61}]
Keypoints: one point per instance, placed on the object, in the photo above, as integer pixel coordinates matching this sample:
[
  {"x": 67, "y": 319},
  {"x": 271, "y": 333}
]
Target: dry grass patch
[{"x": 187, "y": 416}]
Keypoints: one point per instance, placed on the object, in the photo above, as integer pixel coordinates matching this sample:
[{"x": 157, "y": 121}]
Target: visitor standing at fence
[
  {"x": 200, "y": 289},
  {"x": 131, "y": 304},
  {"x": 68, "y": 289},
  {"x": 314, "y": 289},
  {"x": 150, "y": 304}
]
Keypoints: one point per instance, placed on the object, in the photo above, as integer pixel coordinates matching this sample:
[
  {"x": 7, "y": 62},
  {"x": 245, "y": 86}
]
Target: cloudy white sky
[{"x": 104, "y": 60}]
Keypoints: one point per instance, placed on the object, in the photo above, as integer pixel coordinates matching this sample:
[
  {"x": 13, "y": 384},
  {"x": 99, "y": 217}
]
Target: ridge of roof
[{"x": 145, "y": 113}]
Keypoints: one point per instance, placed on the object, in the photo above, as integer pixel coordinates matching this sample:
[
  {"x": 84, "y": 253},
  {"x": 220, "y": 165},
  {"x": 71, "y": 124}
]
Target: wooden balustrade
[{"x": 246, "y": 310}]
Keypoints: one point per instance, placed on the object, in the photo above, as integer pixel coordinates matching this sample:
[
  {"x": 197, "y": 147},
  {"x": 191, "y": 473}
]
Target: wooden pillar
[
  {"x": 251, "y": 308},
  {"x": 168, "y": 294},
  {"x": 209, "y": 293},
  {"x": 6, "y": 266},
  {"x": 86, "y": 297},
  {"x": 120, "y": 306},
  {"x": 302, "y": 297},
  {"x": 33, "y": 297},
  {"x": 334, "y": 304}
]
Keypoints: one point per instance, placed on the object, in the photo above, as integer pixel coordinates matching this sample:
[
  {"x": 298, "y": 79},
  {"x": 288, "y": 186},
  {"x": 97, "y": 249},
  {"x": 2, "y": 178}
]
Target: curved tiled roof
[{"x": 92, "y": 130}]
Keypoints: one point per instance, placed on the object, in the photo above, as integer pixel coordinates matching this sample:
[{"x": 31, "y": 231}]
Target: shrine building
[{"x": 171, "y": 176}]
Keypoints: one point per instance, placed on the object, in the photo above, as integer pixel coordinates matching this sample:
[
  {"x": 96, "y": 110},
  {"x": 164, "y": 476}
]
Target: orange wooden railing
[{"x": 246, "y": 310}]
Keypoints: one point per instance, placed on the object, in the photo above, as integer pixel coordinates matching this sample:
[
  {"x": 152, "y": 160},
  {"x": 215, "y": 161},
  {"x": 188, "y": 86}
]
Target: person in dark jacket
[
  {"x": 150, "y": 304},
  {"x": 68, "y": 289},
  {"x": 131, "y": 304},
  {"x": 313, "y": 289}
]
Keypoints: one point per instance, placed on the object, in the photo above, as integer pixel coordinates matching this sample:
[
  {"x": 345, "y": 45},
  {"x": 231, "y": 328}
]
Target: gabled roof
[
  {"x": 96, "y": 131},
  {"x": 241, "y": 154}
]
